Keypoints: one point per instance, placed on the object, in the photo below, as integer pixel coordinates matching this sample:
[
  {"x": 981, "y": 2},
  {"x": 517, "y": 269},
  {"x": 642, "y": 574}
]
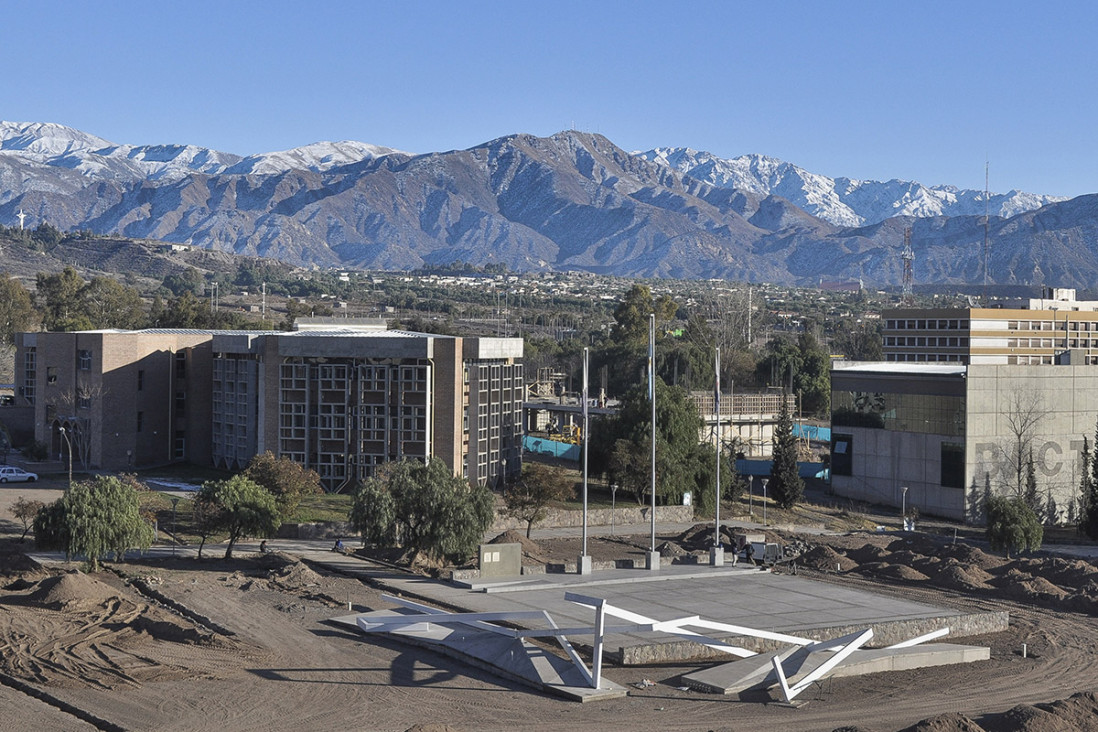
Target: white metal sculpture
[{"x": 425, "y": 616}]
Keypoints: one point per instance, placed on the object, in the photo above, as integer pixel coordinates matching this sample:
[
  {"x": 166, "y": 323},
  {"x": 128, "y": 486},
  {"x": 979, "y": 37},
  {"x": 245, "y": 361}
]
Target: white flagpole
[
  {"x": 717, "y": 396},
  {"x": 652, "y": 398},
  {"x": 585, "y": 443}
]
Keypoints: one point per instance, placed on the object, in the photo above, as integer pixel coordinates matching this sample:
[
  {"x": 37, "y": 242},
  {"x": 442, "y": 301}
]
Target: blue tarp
[
  {"x": 812, "y": 432},
  {"x": 762, "y": 467},
  {"x": 542, "y": 446}
]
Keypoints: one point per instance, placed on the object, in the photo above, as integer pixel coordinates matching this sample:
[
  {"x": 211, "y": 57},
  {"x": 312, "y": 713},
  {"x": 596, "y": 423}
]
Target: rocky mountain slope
[{"x": 570, "y": 201}]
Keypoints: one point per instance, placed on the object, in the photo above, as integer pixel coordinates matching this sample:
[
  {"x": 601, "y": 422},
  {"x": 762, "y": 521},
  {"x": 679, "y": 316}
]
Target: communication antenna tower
[
  {"x": 909, "y": 258},
  {"x": 987, "y": 236},
  {"x": 21, "y": 216}
]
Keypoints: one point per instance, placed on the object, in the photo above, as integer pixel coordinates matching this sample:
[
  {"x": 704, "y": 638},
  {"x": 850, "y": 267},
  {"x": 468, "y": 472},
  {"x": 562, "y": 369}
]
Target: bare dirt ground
[{"x": 252, "y": 650}]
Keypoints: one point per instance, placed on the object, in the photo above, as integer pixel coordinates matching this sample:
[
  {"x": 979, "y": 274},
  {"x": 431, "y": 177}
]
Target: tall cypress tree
[
  {"x": 1088, "y": 498},
  {"x": 786, "y": 486}
]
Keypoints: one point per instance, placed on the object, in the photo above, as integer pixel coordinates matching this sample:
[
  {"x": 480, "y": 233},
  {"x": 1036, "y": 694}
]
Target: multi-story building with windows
[
  {"x": 939, "y": 436},
  {"x": 120, "y": 399},
  {"x": 1029, "y": 332},
  {"x": 340, "y": 399}
]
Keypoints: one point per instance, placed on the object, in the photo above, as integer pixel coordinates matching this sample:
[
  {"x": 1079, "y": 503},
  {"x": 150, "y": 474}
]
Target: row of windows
[
  {"x": 954, "y": 324},
  {"x": 924, "y": 341},
  {"x": 928, "y": 357}
]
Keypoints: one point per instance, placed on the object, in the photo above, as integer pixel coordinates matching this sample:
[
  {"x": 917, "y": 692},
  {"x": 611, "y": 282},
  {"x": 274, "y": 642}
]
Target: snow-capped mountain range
[
  {"x": 841, "y": 201},
  {"x": 571, "y": 201},
  {"x": 64, "y": 147}
]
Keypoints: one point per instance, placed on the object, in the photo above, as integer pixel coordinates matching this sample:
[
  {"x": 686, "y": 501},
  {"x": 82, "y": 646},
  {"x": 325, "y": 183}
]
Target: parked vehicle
[{"x": 9, "y": 474}]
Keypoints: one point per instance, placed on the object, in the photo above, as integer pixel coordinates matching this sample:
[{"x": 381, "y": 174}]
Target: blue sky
[{"x": 921, "y": 91}]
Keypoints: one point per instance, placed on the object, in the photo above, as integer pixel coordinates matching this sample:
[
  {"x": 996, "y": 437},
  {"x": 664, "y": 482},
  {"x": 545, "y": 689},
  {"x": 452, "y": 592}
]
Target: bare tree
[
  {"x": 1024, "y": 413},
  {"x": 75, "y": 411}
]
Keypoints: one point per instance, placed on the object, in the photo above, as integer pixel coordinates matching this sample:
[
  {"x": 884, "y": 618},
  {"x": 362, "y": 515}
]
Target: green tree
[
  {"x": 58, "y": 297},
  {"x": 287, "y": 481},
  {"x": 94, "y": 519},
  {"x": 17, "y": 313},
  {"x": 110, "y": 304},
  {"x": 206, "y": 513},
  {"x": 622, "y": 446},
  {"x": 246, "y": 509},
  {"x": 189, "y": 280},
  {"x": 632, "y": 314},
  {"x": 25, "y": 511},
  {"x": 528, "y": 498},
  {"x": 435, "y": 513},
  {"x": 786, "y": 486},
  {"x": 1088, "y": 497},
  {"x": 1012, "y": 526},
  {"x": 373, "y": 513}
]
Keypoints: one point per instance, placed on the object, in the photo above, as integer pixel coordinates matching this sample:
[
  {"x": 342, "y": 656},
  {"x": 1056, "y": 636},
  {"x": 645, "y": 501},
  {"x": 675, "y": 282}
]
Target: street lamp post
[
  {"x": 68, "y": 443},
  {"x": 764, "y": 482},
  {"x": 751, "y": 499},
  {"x": 613, "y": 505},
  {"x": 903, "y": 507},
  {"x": 175, "y": 502}
]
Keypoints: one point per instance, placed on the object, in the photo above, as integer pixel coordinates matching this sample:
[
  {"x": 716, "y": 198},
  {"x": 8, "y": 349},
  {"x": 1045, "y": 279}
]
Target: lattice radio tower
[{"x": 909, "y": 276}]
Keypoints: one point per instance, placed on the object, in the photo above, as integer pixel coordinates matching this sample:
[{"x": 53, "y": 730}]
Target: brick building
[{"x": 340, "y": 399}]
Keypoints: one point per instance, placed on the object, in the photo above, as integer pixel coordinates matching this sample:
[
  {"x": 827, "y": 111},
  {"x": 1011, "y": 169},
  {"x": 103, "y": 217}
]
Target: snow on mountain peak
[
  {"x": 64, "y": 147},
  {"x": 840, "y": 201},
  {"x": 318, "y": 157}
]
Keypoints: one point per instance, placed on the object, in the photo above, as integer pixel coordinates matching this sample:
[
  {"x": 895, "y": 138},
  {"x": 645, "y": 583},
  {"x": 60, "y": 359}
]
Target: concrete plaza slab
[{"x": 735, "y": 595}]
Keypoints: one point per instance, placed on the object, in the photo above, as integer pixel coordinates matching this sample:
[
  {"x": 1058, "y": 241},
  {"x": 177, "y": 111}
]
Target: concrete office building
[
  {"x": 339, "y": 399},
  {"x": 944, "y": 431},
  {"x": 344, "y": 401},
  {"x": 1025, "y": 332}
]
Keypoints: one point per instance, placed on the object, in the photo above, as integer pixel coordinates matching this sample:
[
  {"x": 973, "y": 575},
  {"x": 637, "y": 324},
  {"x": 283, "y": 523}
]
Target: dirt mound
[
  {"x": 1027, "y": 718},
  {"x": 168, "y": 631},
  {"x": 950, "y": 722},
  {"x": 17, "y": 563},
  {"x": 900, "y": 572},
  {"x": 74, "y": 588},
  {"x": 295, "y": 576},
  {"x": 826, "y": 559},
  {"x": 530, "y": 548},
  {"x": 1069, "y": 572},
  {"x": 973, "y": 557},
  {"x": 960, "y": 576},
  {"x": 868, "y": 554},
  {"x": 671, "y": 549},
  {"x": 275, "y": 560},
  {"x": 1080, "y": 710},
  {"x": 1035, "y": 589}
]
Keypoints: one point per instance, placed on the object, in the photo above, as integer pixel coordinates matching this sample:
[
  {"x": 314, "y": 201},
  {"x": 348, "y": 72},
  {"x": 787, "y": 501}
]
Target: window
[
  {"x": 180, "y": 403},
  {"x": 180, "y": 445},
  {"x": 181, "y": 365},
  {"x": 140, "y": 380},
  {"x": 83, "y": 401},
  {"x": 953, "y": 465},
  {"x": 51, "y": 374},
  {"x": 84, "y": 359},
  {"x": 140, "y": 421},
  {"x": 842, "y": 458}
]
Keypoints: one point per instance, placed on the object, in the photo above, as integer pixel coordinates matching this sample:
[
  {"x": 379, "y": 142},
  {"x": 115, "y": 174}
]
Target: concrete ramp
[
  {"x": 511, "y": 658},
  {"x": 757, "y": 673}
]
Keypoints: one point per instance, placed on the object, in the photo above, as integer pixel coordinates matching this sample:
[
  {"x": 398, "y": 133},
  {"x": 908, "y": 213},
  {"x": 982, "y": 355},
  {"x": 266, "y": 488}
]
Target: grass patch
[{"x": 327, "y": 507}]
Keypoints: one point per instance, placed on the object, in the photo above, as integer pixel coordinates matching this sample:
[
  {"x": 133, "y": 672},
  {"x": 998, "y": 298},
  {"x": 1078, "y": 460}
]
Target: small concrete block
[
  {"x": 652, "y": 560},
  {"x": 583, "y": 565},
  {"x": 716, "y": 556}
]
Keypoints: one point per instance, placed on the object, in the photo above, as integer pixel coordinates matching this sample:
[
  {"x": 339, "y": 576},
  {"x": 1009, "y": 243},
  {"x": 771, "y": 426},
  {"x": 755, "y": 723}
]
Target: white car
[{"x": 9, "y": 474}]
